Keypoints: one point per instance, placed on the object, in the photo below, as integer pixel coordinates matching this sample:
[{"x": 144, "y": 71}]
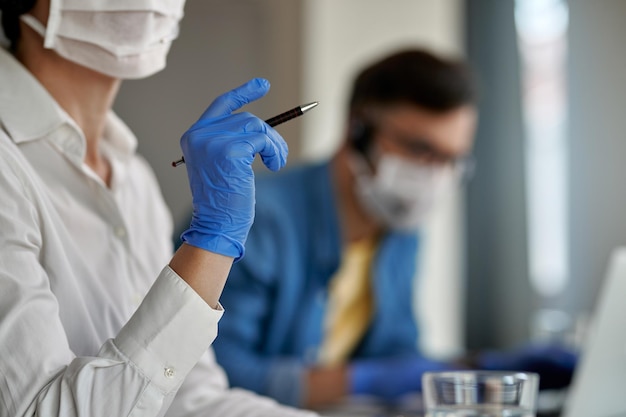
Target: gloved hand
[
  {"x": 391, "y": 378},
  {"x": 555, "y": 363},
  {"x": 219, "y": 150}
]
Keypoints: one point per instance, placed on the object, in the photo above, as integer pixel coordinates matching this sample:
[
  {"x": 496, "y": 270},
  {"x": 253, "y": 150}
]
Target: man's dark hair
[
  {"x": 11, "y": 11},
  {"x": 415, "y": 77}
]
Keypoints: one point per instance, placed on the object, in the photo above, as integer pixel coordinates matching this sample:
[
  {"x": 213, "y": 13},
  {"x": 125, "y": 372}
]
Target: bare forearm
[
  {"x": 326, "y": 386},
  {"x": 204, "y": 271}
]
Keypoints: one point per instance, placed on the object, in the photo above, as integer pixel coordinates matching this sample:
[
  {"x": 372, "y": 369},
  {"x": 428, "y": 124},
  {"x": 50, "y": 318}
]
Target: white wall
[
  {"x": 597, "y": 144},
  {"x": 340, "y": 36}
]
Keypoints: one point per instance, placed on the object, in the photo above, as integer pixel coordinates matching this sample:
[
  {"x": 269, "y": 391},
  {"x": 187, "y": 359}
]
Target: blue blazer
[{"x": 275, "y": 298}]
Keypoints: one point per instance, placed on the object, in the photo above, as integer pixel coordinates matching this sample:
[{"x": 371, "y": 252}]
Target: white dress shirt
[{"x": 92, "y": 321}]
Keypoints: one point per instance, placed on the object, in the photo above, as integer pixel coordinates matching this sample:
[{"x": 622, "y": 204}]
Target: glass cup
[{"x": 480, "y": 394}]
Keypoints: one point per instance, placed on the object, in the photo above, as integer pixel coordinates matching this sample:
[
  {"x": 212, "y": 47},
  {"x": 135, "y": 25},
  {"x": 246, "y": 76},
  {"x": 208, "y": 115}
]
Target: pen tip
[{"x": 309, "y": 106}]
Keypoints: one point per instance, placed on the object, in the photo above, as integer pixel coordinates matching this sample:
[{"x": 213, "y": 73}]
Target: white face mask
[
  {"x": 119, "y": 38},
  {"x": 401, "y": 194}
]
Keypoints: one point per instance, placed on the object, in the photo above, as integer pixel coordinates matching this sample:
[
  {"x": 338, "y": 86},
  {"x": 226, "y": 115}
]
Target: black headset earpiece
[{"x": 361, "y": 133}]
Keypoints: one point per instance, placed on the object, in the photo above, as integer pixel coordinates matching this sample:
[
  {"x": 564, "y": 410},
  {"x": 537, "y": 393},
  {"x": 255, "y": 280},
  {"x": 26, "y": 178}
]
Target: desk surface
[
  {"x": 410, "y": 406},
  {"x": 549, "y": 405}
]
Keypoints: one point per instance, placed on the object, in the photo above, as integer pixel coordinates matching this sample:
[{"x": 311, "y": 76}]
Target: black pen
[{"x": 274, "y": 121}]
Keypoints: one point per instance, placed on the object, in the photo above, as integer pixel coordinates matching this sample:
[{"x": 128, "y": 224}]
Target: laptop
[{"x": 598, "y": 388}]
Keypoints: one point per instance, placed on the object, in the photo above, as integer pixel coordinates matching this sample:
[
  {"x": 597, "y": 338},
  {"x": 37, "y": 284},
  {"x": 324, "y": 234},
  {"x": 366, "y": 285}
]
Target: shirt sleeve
[
  {"x": 133, "y": 374},
  {"x": 205, "y": 393},
  {"x": 169, "y": 332}
]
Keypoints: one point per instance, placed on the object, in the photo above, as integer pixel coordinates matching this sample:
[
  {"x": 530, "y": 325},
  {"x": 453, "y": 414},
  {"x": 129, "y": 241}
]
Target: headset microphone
[{"x": 361, "y": 133}]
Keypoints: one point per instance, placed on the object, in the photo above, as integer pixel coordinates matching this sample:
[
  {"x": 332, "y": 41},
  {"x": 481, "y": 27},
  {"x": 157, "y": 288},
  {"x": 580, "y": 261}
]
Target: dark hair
[
  {"x": 11, "y": 11},
  {"x": 416, "y": 77}
]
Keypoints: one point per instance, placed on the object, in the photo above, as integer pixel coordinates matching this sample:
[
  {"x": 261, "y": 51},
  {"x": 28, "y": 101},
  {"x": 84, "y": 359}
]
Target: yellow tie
[{"x": 351, "y": 303}]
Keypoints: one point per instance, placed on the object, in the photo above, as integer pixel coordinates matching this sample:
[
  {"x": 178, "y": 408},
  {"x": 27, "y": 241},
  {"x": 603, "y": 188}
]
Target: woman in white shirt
[{"x": 96, "y": 316}]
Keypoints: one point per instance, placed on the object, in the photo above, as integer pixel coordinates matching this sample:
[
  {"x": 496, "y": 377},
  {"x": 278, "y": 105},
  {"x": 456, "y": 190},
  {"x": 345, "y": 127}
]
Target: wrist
[
  {"x": 205, "y": 272},
  {"x": 214, "y": 242},
  {"x": 326, "y": 385}
]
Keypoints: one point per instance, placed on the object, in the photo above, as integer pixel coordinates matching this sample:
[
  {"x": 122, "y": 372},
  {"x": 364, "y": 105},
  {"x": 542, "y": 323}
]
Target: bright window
[{"x": 542, "y": 37}]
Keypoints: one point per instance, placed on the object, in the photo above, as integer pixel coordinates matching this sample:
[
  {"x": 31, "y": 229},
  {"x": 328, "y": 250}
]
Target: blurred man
[{"x": 322, "y": 305}]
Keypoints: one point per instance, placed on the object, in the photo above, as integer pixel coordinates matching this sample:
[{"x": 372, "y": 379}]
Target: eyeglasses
[{"x": 425, "y": 153}]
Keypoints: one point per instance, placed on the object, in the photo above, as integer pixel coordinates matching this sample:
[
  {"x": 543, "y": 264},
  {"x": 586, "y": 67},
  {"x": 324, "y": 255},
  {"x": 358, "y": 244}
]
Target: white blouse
[{"x": 92, "y": 321}]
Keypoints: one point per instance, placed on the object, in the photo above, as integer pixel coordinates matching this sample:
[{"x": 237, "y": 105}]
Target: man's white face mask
[
  {"x": 120, "y": 38},
  {"x": 402, "y": 193}
]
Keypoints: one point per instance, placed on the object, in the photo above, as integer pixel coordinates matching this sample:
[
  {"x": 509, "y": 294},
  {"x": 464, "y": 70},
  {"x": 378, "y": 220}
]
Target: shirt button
[
  {"x": 120, "y": 231},
  {"x": 169, "y": 373},
  {"x": 136, "y": 299}
]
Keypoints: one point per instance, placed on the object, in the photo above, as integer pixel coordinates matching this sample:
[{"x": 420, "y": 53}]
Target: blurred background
[{"x": 520, "y": 251}]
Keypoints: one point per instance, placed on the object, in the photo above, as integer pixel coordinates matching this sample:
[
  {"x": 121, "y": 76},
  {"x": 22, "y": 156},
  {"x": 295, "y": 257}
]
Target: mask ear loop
[
  {"x": 34, "y": 24},
  {"x": 47, "y": 32},
  {"x": 54, "y": 20}
]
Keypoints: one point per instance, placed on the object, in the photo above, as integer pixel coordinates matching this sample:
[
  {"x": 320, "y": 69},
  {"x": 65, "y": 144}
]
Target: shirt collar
[{"x": 28, "y": 112}]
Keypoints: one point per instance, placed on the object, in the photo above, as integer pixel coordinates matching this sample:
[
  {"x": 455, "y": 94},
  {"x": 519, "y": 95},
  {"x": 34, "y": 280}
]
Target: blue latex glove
[
  {"x": 219, "y": 150},
  {"x": 554, "y": 363},
  {"x": 391, "y": 378}
]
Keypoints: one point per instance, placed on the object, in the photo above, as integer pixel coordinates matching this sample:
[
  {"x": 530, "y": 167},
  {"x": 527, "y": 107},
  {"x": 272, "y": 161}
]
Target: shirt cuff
[{"x": 169, "y": 332}]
